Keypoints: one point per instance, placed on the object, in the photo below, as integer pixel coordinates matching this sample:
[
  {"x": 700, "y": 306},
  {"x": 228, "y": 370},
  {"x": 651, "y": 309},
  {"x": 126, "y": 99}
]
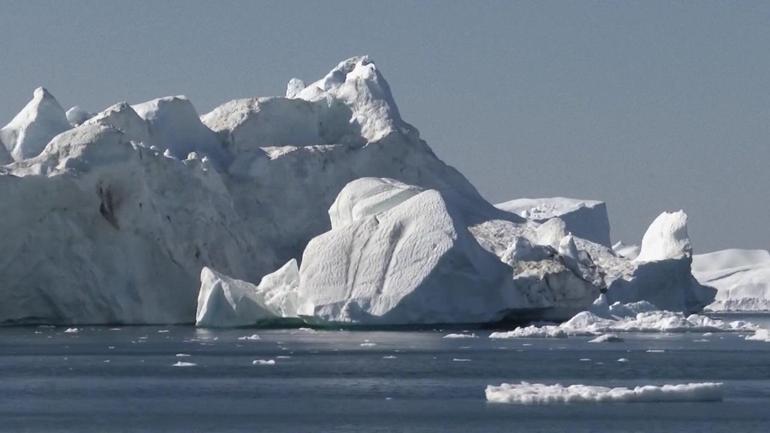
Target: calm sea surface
[{"x": 124, "y": 379}]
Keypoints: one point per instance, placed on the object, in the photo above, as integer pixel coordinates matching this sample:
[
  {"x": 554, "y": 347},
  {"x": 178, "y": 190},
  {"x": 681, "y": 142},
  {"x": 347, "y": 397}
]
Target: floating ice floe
[
  {"x": 71, "y": 331},
  {"x": 632, "y": 317},
  {"x": 760, "y": 335},
  {"x": 606, "y": 338},
  {"x": 184, "y": 364},
  {"x": 460, "y": 335},
  {"x": 540, "y": 394},
  {"x": 263, "y": 362},
  {"x": 252, "y": 337}
]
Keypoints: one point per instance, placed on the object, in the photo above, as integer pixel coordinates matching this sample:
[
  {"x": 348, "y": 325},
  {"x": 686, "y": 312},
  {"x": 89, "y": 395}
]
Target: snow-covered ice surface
[
  {"x": 324, "y": 381},
  {"x": 538, "y": 393},
  {"x": 741, "y": 277}
]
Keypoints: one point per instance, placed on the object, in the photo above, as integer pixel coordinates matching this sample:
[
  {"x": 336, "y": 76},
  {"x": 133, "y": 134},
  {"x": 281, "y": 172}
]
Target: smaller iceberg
[
  {"x": 741, "y": 277},
  {"x": 604, "y": 318},
  {"x": 225, "y": 302}
]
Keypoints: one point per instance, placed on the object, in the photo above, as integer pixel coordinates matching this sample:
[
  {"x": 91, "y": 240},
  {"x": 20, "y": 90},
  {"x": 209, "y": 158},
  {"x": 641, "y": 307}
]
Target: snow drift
[{"x": 539, "y": 394}]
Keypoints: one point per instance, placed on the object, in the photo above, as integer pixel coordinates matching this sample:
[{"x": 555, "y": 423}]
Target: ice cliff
[{"x": 150, "y": 213}]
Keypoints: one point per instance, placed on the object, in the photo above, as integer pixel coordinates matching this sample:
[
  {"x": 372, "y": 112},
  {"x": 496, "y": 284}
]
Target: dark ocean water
[{"x": 104, "y": 379}]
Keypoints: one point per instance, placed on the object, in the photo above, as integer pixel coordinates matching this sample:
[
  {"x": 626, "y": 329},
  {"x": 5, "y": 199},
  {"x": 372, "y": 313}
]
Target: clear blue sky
[{"x": 647, "y": 105}]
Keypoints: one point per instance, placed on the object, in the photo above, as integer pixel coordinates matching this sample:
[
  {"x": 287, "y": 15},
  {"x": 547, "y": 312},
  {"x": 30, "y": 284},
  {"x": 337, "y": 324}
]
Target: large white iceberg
[
  {"x": 130, "y": 205},
  {"x": 112, "y": 220},
  {"x": 741, "y": 277}
]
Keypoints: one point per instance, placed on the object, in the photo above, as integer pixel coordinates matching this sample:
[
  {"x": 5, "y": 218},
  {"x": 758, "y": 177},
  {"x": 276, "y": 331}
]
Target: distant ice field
[{"x": 179, "y": 379}]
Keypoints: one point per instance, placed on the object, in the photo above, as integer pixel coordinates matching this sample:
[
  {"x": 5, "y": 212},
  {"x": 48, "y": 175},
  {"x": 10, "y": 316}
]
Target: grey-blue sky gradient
[{"x": 647, "y": 105}]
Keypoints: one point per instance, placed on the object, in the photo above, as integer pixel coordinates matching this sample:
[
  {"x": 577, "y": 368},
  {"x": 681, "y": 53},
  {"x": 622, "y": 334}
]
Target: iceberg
[
  {"x": 35, "y": 125},
  {"x": 460, "y": 336},
  {"x": 227, "y": 302},
  {"x": 541, "y": 394},
  {"x": 604, "y": 319},
  {"x": 606, "y": 338},
  {"x": 76, "y": 116},
  {"x": 396, "y": 255},
  {"x": 402, "y": 254},
  {"x": 135, "y": 201},
  {"x": 661, "y": 273},
  {"x": 760, "y": 335},
  {"x": 741, "y": 277},
  {"x": 149, "y": 213},
  {"x": 587, "y": 219}
]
